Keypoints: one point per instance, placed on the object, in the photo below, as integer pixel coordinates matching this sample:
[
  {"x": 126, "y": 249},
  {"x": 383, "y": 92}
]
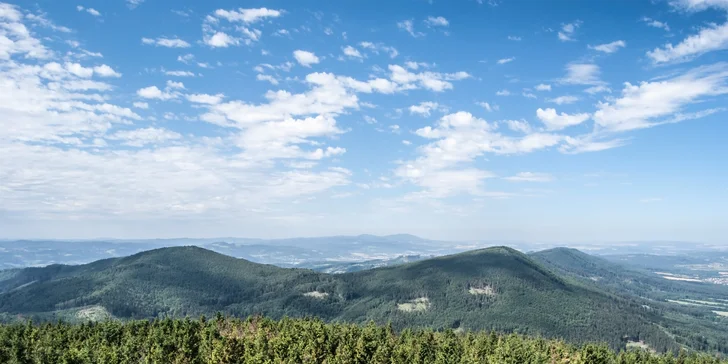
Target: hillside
[
  {"x": 692, "y": 312},
  {"x": 496, "y": 288}
]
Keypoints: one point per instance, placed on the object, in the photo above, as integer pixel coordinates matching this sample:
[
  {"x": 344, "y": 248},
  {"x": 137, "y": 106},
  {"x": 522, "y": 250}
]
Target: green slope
[
  {"x": 680, "y": 308},
  {"x": 496, "y": 288}
]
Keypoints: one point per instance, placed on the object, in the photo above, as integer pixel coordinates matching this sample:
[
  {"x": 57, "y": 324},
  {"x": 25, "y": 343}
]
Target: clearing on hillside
[
  {"x": 315, "y": 294},
  {"x": 415, "y": 305},
  {"x": 484, "y": 290}
]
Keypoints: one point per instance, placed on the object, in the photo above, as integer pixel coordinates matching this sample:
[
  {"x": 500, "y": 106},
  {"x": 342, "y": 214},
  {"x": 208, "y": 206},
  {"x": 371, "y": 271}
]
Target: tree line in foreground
[{"x": 262, "y": 340}]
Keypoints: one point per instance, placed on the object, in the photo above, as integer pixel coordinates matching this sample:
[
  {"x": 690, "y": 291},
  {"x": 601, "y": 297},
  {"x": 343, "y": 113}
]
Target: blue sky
[{"x": 553, "y": 121}]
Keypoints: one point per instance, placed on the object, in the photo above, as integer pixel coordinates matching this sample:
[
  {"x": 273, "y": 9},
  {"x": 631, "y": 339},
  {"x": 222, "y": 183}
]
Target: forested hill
[
  {"x": 496, "y": 288},
  {"x": 308, "y": 341}
]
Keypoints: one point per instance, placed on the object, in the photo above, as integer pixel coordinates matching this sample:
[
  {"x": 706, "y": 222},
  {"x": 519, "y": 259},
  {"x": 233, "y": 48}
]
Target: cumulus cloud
[
  {"x": 153, "y": 92},
  {"x": 567, "y": 99},
  {"x": 205, "y": 98},
  {"x": 506, "y": 60},
  {"x": 91, "y": 11},
  {"x": 247, "y": 16},
  {"x": 656, "y": 23},
  {"x": 437, "y": 21},
  {"x": 214, "y": 34},
  {"x": 555, "y": 121},
  {"x": 653, "y": 103},
  {"x": 179, "y": 73},
  {"x": 609, "y": 47},
  {"x": 543, "y": 87},
  {"x": 166, "y": 42},
  {"x": 408, "y": 26},
  {"x": 352, "y": 52},
  {"x": 268, "y": 78},
  {"x": 376, "y": 48},
  {"x": 305, "y": 58},
  {"x": 144, "y": 136},
  {"x": 94, "y": 160},
  {"x": 711, "y": 38},
  {"x": 443, "y": 167},
  {"x": 520, "y": 126},
  {"x": 487, "y": 106},
  {"x": 425, "y": 108},
  {"x": 220, "y": 40},
  {"x": 568, "y": 30},
  {"x": 582, "y": 74}
]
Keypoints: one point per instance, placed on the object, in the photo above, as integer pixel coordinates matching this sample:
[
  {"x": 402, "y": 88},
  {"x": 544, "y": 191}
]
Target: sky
[{"x": 553, "y": 121}]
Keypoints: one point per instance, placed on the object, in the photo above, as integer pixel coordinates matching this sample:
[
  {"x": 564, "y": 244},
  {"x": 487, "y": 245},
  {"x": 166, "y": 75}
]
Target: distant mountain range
[
  {"x": 557, "y": 293},
  {"x": 283, "y": 252},
  {"x": 332, "y": 253}
]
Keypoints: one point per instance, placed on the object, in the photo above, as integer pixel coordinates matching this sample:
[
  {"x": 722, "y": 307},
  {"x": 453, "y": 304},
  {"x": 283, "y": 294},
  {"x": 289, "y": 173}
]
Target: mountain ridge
[{"x": 495, "y": 288}]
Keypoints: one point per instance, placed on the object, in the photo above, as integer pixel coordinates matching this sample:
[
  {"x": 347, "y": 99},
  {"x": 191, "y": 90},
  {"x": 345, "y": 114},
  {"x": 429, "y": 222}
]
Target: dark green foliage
[
  {"x": 523, "y": 297},
  {"x": 261, "y": 340}
]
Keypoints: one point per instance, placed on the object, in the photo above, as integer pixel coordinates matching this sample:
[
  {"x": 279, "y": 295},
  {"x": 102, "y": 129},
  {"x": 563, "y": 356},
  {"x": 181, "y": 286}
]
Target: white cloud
[
  {"x": 567, "y": 31},
  {"x": 424, "y": 108},
  {"x": 406, "y": 142},
  {"x": 175, "y": 85},
  {"x": 598, "y": 89},
  {"x": 567, "y": 99},
  {"x": 588, "y": 143},
  {"x": 530, "y": 177},
  {"x": 442, "y": 168},
  {"x": 554, "y": 121},
  {"x": 64, "y": 125},
  {"x": 247, "y": 16},
  {"x": 186, "y": 58},
  {"x": 529, "y": 95},
  {"x": 352, "y": 52},
  {"x": 543, "y": 87},
  {"x": 520, "y": 126},
  {"x": 179, "y": 73},
  {"x": 305, "y": 58},
  {"x": 487, "y": 106},
  {"x": 433, "y": 81},
  {"x": 649, "y": 103},
  {"x": 514, "y": 38},
  {"x": 205, "y": 98},
  {"x": 656, "y": 23},
  {"x": 269, "y": 78},
  {"x": 408, "y": 26},
  {"x": 609, "y": 47},
  {"x": 145, "y": 136},
  {"x": 394, "y": 128},
  {"x": 377, "y": 47},
  {"x": 166, "y": 42},
  {"x": 711, "y": 38},
  {"x": 106, "y": 71},
  {"x": 141, "y": 105},
  {"x": 699, "y": 5},
  {"x": 582, "y": 74},
  {"x": 91, "y": 11},
  {"x": 220, "y": 40},
  {"x": 436, "y": 21},
  {"x": 506, "y": 60},
  {"x": 153, "y": 92},
  {"x": 134, "y": 3},
  {"x": 215, "y": 35},
  {"x": 503, "y": 93}
]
